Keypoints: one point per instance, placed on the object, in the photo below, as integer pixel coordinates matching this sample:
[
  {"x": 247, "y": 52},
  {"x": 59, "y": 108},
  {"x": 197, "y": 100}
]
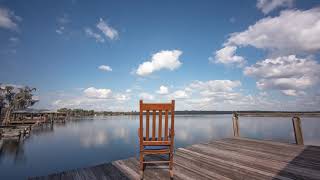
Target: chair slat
[
  {"x": 153, "y": 125},
  {"x": 166, "y": 126},
  {"x": 160, "y": 125},
  {"x": 147, "y": 124},
  {"x": 157, "y": 106}
]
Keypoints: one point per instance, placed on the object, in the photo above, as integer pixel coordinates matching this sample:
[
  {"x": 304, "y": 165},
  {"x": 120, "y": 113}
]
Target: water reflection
[
  {"x": 267, "y": 128},
  {"x": 94, "y": 138},
  {"x": 12, "y": 150},
  {"x": 311, "y": 130},
  {"x": 89, "y": 141}
]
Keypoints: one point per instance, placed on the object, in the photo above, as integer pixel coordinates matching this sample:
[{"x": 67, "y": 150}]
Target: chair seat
[
  {"x": 156, "y": 147},
  {"x": 156, "y": 139}
]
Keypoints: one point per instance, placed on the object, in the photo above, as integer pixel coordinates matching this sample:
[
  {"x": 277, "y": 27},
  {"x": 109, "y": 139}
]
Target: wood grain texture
[{"x": 234, "y": 158}]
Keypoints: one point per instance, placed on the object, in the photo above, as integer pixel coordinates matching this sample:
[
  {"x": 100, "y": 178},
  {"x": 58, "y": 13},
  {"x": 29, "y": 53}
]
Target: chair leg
[
  {"x": 141, "y": 174},
  {"x": 171, "y": 173},
  {"x": 141, "y": 166},
  {"x": 171, "y": 165}
]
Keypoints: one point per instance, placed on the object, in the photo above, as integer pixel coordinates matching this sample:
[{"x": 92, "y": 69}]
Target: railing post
[
  {"x": 235, "y": 122},
  {"x": 296, "y": 122}
]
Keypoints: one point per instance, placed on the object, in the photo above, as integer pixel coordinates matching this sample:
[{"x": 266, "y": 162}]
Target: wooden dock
[{"x": 234, "y": 158}]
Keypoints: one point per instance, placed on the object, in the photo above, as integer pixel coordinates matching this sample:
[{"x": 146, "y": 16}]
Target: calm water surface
[{"x": 91, "y": 141}]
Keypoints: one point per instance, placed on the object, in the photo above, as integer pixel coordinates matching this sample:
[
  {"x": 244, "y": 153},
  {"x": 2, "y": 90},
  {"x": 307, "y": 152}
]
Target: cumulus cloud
[
  {"x": 105, "y": 68},
  {"x": 291, "y": 92},
  {"x": 218, "y": 95},
  {"x": 286, "y": 73},
  {"x": 128, "y": 90},
  {"x": 293, "y": 31},
  {"x": 146, "y": 96},
  {"x": 215, "y": 85},
  {"x": 206, "y": 94},
  {"x": 122, "y": 97},
  {"x": 161, "y": 60},
  {"x": 94, "y": 35},
  {"x": 92, "y": 98},
  {"x": 92, "y": 92},
  {"x": 267, "y": 6},
  {"x": 8, "y": 19},
  {"x": 163, "y": 90},
  {"x": 107, "y": 30},
  {"x": 227, "y": 55},
  {"x": 179, "y": 94}
]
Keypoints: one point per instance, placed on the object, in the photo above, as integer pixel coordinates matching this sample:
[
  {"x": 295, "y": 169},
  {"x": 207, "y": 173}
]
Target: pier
[
  {"x": 233, "y": 158},
  {"x": 21, "y": 123}
]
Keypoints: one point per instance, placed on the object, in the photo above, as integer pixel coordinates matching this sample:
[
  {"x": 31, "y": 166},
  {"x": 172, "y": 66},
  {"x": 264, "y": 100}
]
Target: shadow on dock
[{"x": 305, "y": 165}]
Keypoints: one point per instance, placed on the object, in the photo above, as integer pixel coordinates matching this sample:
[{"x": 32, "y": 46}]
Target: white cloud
[
  {"x": 267, "y": 6},
  {"x": 218, "y": 95},
  {"x": 63, "y": 22},
  {"x": 293, "y": 31},
  {"x": 227, "y": 55},
  {"x": 60, "y": 30},
  {"x": 197, "y": 95},
  {"x": 107, "y": 30},
  {"x": 8, "y": 19},
  {"x": 163, "y": 90},
  {"x": 128, "y": 90},
  {"x": 94, "y": 35},
  {"x": 105, "y": 68},
  {"x": 179, "y": 94},
  {"x": 92, "y": 92},
  {"x": 92, "y": 98},
  {"x": 286, "y": 73},
  {"x": 161, "y": 60},
  {"x": 122, "y": 97},
  {"x": 146, "y": 96},
  {"x": 291, "y": 92},
  {"x": 215, "y": 85}
]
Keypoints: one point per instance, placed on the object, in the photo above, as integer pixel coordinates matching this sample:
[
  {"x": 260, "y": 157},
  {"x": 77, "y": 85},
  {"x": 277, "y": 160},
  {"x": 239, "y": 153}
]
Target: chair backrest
[{"x": 159, "y": 132}]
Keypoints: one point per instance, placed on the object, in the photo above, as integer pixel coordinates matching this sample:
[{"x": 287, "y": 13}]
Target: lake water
[{"x": 91, "y": 141}]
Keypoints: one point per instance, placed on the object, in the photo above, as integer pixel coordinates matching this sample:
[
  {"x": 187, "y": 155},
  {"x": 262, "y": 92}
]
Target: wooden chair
[{"x": 163, "y": 142}]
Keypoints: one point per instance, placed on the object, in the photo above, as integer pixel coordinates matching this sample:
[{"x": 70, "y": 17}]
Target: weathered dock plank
[{"x": 236, "y": 158}]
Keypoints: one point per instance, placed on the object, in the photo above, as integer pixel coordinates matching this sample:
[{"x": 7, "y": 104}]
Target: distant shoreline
[{"x": 241, "y": 113}]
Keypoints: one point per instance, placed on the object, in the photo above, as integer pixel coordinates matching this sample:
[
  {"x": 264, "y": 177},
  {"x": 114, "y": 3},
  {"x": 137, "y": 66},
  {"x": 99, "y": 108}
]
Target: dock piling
[
  {"x": 296, "y": 122},
  {"x": 235, "y": 122}
]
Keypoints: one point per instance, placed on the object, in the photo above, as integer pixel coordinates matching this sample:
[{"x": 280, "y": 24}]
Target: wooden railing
[{"x": 296, "y": 122}]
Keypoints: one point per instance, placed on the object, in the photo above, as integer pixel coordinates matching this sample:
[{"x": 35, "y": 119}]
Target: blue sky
[{"x": 208, "y": 55}]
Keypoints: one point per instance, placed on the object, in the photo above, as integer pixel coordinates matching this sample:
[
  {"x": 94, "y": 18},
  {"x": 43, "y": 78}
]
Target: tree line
[{"x": 77, "y": 112}]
